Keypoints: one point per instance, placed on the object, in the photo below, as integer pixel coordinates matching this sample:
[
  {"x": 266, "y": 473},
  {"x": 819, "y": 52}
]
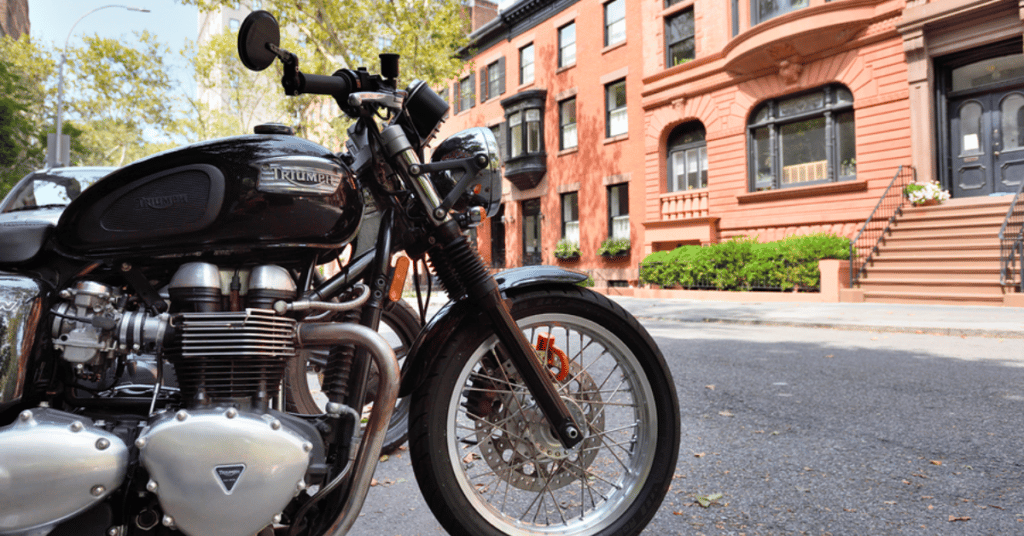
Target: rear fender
[{"x": 456, "y": 314}]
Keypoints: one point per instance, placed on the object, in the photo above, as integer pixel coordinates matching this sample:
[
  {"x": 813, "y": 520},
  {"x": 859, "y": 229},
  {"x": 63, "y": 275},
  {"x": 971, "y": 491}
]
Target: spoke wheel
[{"x": 488, "y": 462}]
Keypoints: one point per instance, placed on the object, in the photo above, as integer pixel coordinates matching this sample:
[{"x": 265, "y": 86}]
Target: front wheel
[{"x": 487, "y": 461}]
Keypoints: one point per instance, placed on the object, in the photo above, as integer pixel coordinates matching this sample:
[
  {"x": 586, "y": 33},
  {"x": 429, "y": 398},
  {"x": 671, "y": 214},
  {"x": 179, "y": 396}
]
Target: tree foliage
[
  {"x": 18, "y": 137},
  {"x": 123, "y": 98},
  {"x": 119, "y": 99},
  {"x": 335, "y": 34}
]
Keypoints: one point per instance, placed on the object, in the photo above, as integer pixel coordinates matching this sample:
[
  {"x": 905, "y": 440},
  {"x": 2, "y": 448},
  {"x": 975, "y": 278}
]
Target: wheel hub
[{"x": 520, "y": 445}]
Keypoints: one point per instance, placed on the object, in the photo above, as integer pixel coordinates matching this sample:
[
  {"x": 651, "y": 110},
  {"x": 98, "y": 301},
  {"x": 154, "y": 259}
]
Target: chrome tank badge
[{"x": 299, "y": 175}]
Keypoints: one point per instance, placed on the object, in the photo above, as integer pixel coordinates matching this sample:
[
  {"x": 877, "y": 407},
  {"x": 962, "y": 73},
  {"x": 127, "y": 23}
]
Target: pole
[{"x": 59, "y": 158}]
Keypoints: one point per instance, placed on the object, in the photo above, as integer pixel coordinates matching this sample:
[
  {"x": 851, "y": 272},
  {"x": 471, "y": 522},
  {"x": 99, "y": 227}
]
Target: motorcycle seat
[{"x": 20, "y": 241}]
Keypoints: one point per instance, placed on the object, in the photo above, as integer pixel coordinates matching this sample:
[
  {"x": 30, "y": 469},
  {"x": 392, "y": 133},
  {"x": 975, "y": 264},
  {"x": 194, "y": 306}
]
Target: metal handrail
[
  {"x": 1011, "y": 243},
  {"x": 889, "y": 206}
]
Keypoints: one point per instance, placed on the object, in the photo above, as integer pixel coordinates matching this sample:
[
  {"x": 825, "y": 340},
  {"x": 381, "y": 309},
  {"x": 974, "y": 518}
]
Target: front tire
[{"x": 488, "y": 463}]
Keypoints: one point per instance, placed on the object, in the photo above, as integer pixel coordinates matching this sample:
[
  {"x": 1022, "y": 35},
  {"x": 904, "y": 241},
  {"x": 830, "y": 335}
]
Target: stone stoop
[{"x": 946, "y": 254}]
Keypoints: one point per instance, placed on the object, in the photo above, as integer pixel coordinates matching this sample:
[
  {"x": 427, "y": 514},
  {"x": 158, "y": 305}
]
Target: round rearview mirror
[{"x": 258, "y": 30}]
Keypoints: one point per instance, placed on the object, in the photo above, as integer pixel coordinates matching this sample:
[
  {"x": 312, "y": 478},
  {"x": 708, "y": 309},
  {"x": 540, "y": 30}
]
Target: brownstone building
[
  {"x": 14, "y": 18},
  {"x": 693, "y": 121}
]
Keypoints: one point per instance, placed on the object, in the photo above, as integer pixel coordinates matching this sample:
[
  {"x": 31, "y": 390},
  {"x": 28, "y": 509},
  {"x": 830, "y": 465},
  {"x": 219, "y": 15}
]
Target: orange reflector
[{"x": 398, "y": 280}]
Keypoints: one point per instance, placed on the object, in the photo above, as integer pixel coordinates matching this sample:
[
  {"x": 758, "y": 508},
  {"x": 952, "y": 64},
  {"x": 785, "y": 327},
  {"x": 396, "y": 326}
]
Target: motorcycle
[
  {"x": 536, "y": 406},
  {"x": 44, "y": 194}
]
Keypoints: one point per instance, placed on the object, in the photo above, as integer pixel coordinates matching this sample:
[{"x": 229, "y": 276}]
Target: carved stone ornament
[{"x": 790, "y": 71}]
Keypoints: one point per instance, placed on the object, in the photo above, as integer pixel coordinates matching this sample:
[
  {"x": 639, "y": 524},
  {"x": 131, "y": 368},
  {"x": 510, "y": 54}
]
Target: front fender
[{"x": 447, "y": 321}]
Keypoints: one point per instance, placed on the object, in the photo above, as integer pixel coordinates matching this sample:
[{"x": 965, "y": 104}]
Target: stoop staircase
[{"x": 944, "y": 254}]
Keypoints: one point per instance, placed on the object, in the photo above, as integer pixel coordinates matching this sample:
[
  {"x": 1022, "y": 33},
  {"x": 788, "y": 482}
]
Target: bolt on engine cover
[{"x": 222, "y": 472}]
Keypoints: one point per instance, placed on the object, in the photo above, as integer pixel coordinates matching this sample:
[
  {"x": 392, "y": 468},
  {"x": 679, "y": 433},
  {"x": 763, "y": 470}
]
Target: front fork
[{"x": 462, "y": 271}]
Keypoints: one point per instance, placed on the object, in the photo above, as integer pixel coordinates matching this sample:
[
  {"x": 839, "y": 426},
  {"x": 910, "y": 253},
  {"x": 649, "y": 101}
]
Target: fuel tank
[{"x": 238, "y": 193}]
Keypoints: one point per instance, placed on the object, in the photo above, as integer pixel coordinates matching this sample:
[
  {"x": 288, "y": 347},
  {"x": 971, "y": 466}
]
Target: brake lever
[{"x": 393, "y": 101}]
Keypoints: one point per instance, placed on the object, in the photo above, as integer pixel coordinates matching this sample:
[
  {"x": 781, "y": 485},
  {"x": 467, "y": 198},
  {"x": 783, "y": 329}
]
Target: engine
[
  {"x": 221, "y": 352},
  {"x": 215, "y": 458}
]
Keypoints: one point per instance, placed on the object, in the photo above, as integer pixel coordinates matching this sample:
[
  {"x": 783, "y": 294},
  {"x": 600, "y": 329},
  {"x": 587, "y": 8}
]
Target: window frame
[
  {"x": 609, "y": 88},
  {"x": 691, "y": 37},
  {"x": 526, "y": 127},
  {"x": 837, "y": 115},
  {"x": 756, "y": 19},
  {"x": 609, "y": 24},
  {"x": 492, "y": 79},
  {"x": 677, "y": 145},
  {"x": 573, "y": 210},
  {"x": 523, "y": 65},
  {"x": 562, "y": 124},
  {"x": 465, "y": 99},
  {"x": 615, "y": 214},
  {"x": 564, "y": 46}
]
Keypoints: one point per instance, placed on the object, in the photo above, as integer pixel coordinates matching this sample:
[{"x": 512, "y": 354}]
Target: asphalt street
[{"x": 819, "y": 430}]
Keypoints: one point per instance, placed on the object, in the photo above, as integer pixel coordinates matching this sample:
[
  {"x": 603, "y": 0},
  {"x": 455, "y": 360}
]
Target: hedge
[{"x": 746, "y": 264}]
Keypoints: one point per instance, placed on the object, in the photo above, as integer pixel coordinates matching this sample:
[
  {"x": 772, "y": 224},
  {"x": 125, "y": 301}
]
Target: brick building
[
  {"x": 749, "y": 117},
  {"x": 14, "y": 18}
]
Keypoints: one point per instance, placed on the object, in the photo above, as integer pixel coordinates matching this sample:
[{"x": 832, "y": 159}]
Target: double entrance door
[{"x": 986, "y": 126}]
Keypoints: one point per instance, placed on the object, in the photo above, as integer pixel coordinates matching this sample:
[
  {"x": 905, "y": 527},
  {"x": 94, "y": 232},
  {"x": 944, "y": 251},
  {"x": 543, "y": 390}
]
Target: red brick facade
[
  {"x": 14, "y": 18},
  {"x": 877, "y": 65}
]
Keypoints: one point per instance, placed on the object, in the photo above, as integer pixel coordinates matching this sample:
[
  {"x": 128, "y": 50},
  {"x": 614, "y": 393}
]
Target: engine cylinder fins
[
  {"x": 58, "y": 456},
  {"x": 232, "y": 355}
]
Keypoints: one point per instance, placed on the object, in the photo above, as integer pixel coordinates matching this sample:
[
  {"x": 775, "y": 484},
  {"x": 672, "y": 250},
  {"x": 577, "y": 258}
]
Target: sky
[{"x": 170, "y": 21}]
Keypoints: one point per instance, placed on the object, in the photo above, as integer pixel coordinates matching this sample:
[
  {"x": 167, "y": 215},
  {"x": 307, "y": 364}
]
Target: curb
[{"x": 916, "y": 330}]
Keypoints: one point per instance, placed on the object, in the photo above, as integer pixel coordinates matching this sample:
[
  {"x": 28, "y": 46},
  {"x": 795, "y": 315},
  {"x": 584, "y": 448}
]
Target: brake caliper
[{"x": 546, "y": 344}]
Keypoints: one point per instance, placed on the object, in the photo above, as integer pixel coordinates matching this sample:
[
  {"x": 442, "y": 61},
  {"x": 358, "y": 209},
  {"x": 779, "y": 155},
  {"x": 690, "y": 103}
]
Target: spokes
[{"x": 511, "y": 459}]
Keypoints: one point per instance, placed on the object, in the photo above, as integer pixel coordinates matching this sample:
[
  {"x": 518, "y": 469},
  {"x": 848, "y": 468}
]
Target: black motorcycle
[{"x": 536, "y": 406}]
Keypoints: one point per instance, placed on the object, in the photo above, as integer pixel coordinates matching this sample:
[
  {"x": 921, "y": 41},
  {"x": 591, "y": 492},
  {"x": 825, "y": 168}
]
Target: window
[
  {"x": 567, "y": 45},
  {"x": 496, "y": 130},
  {"x": 257, "y": 4},
  {"x": 614, "y": 22},
  {"x": 524, "y": 132},
  {"x": 492, "y": 80},
  {"x": 616, "y": 119},
  {"x": 567, "y": 124},
  {"x": 571, "y": 217},
  {"x": 464, "y": 98},
  {"x": 526, "y": 64},
  {"x": 618, "y": 211},
  {"x": 679, "y": 42},
  {"x": 687, "y": 158},
  {"x": 531, "y": 232},
  {"x": 233, "y": 25},
  {"x": 762, "y": 10},
  {"x": 803, "y": 139}
]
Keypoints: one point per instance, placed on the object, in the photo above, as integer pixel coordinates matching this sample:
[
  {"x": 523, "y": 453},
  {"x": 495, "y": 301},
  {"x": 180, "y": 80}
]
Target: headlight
[{"x": 483, "y": 189}]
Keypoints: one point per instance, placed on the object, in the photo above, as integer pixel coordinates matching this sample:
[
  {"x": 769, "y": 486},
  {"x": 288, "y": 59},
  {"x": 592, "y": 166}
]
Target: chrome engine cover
[
  {"x": 54, "y": 465},
  {"x": 223, "y": 472}
]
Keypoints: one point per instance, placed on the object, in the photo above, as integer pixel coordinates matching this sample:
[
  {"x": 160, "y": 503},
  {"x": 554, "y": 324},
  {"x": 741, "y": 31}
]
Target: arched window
[
  {"x": 687, "y": 158},
  {"x": 803, "y": 139}
]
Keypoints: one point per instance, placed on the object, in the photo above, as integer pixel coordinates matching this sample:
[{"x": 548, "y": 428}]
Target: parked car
[{"x": 43, "y": 194}]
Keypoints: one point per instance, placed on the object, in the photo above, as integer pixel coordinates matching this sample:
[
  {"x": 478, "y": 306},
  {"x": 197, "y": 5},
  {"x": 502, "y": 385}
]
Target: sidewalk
[{"x": 973, "y": 321}]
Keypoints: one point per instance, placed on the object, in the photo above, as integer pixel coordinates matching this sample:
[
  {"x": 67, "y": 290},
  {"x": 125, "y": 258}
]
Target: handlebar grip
[{"x": 337, "y": 86}]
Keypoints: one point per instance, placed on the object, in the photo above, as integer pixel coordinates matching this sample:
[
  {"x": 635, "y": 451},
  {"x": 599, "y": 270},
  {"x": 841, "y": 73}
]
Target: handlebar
[{"x": 335, "y": 85}]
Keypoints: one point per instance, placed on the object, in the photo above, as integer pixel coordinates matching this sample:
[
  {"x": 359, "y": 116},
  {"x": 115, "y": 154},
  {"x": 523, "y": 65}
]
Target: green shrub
[
  {"x": 745, "y": 264},
  {"x": 566, "y": 249},
  {"x": 614, "y": 246}
]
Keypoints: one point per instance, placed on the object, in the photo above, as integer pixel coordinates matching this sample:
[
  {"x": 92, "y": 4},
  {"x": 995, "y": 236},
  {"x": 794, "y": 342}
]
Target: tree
[
  {"x": 328, "y": 35},
  {"x": 230, "y": 99},
  {"x": 124, "y": 100},
  {"x": 18, "y": 135},
  {"x": 119, "y": 101}
]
